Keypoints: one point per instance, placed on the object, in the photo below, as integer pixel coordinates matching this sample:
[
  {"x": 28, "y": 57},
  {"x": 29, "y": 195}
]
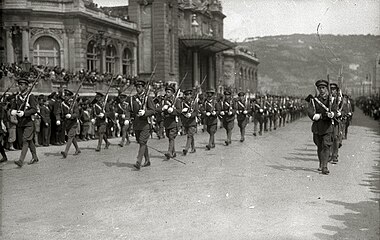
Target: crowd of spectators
[{"x": 58, "y": 74}]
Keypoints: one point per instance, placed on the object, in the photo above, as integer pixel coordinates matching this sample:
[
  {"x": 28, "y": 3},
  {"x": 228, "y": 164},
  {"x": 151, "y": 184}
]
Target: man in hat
[
  {"x": 24, "y": 107},
  {"x": 45, "y": 122},
  {"x": 337, "y": 126},
  {"x": 346, "y": 115},
  {"x": 171, "y": 109},
  {"x": 142, "y": 108},
  {"x": 123, "y": 116},
  {"x": 258, "y": 115},
  {"x": 70, "y": 110},
  {"x": 99, "y": 114},
  {"x": 322, "y": 111},
  {"x": 189, "y": 119},
  {"x": 85, "y": 117},
  {"x": 227, "y": 113},
  {"x": 242, "y": 112},
  {"x": 55, "y": 116},
  {"x": 210, "y": 111}
]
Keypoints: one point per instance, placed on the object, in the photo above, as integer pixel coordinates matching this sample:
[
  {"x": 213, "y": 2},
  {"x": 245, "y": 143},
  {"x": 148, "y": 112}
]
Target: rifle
[
  {"x": 6, "y": 91},
  {"x": 107, "y": 93},
  {"x": 147, "y": 88},
  {"x": 196, "y": 98},
  {"x": 30, "y": 91},
  {"x": 179, "y": 90},
  {"x": 75, "y": 97},
  {"x": 329, "y": 88}
]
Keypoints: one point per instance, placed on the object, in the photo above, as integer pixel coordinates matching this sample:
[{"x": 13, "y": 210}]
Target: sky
[{"x": 257, "y": 18}]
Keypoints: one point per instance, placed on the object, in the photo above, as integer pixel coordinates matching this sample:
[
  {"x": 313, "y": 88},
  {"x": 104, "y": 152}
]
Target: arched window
[
  {"x": 92, "y": 56},
  {"x": 110, "y": 58},
  {"x": 46, "y": 52},
  {"x": 127, "y": 62}
]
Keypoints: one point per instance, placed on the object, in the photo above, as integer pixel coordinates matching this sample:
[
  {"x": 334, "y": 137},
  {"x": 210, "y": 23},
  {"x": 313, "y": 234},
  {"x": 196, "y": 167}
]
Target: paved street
[{"x": 265, "y": 188}]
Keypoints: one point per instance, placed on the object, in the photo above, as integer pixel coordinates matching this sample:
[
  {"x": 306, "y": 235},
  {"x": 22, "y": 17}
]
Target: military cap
[
  {"x": 241, "y": 94},
  {"x": 308, "y": 98},
  {"x": 188, "y": 91},
  {"x": 210, "y": 90},
  {"x": 139, "y": 83},
  {"x": 22, "y": 80},
  {"x": 122, "y": 95},
  {"x": 321, "y": 82},
  {"x": 170, "y": 87},
  {"x": 334, "y": 85},
  {"x": 99, "y": 94},
  {"x": 67, "y": 92},
  {"x": 52, "y": 95},
  {"x": 227, "y": 92}
]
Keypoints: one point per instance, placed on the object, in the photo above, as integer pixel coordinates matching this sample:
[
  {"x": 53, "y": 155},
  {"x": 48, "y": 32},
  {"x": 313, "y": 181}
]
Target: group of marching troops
[
  {"x": 64, "y": 118},
  {"x": 370, "y": 105},
  {"x": 331, "y": 112}
]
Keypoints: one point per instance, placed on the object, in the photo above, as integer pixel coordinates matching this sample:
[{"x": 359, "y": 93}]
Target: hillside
[{"x": 292, "y": 63}]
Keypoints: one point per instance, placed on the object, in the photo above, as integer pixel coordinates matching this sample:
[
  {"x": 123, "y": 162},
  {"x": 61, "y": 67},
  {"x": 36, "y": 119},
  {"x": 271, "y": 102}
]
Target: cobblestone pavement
[{"x": 265, "y": 188}]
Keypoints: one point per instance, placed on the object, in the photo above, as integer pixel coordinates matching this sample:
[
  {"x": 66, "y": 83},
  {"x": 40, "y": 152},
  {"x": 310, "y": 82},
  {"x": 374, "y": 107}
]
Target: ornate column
[
  {"x": 9, "y": 45},
  {"x": 25, "y": 43},
  {"x": 119, "y": 65},
  {"x": 134, "y": 68},
  {"x": 103, "y": 56},
  {"x": 211, "y": 75},
  {"x": 195, "y": 69}
]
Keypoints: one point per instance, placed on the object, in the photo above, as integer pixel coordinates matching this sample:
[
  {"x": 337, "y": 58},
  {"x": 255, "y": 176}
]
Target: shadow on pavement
[
  {"x": 359, "y": 224},
  {"x": 55, "y": 154},
  {"x": 290, "y": 168},
  {"x": 118, "y": 164},
  {"x": 362, "y": 222}
]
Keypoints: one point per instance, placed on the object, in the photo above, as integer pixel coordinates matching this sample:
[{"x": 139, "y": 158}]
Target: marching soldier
[
  {"x": 3, "y": 131},
  {"x": 321, "y": 111},
  {"x": 45, "y": 123},
  {"x": 70, "y": 111},
  {"x": 123, "y": 115},
  {"x": 142, "y": 108},
  {"x": 171, "y": 109},
  {"x": 337, "y": 126},
  {"x": 227, "y": 113},
  {"x": 258, "y": 116},
  {"x": 55, "y": 116},
  {"x": 242, "y": 111},
  {"x": 210, "y": 111},
  {"x": 24, "y": 107},
  {"x": 159, "y": 118},
  {"x": 189, "y": 119},
  {"x": 346, "y": 115},
  {"x": 99, "y": 120},
  {"x": 85, "y": 118}
]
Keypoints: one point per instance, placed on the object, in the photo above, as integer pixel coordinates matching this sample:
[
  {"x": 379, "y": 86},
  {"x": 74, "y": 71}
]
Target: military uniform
[
  {"x": 45, "y": 123},
  {"x": 3, "y": 131},
  {"x": 141, "y": 123},
  {"x": 123, "y": 118},
  {"x": 243, "y": 110},
  {"x": 24, "y": 107},
  {"x": 227, "y": 113},
  {"x": 322, "y": 126},
  {"x": 100, "y": 117},
  {"x": 171, "y": 111},
  {"x": 189, "y": 121},
  {"x": 70, "y": 111},
  {"x": 210, "y": 111},
  {"x": 258, "y": 117}
]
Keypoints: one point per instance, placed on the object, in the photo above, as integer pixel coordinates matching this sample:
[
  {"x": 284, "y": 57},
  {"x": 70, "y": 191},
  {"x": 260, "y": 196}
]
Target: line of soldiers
[
  {"x": 331, "y": 113},
  {"x": 370, "y": 105},
  {"x": 63, "y": 117}
]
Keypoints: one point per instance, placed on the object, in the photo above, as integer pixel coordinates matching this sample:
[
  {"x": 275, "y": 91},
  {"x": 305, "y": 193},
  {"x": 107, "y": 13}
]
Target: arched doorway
[
  {"x": 110, "y": 58},
  {"x": 46, "y": 52}
]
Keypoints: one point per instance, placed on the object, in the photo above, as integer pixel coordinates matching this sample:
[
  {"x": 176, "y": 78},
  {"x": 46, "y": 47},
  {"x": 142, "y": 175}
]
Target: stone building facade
[
  {"x": 240, "y": 70},
  {"x": 71, "y": 34},
  {"x": 180, "y": 38}
]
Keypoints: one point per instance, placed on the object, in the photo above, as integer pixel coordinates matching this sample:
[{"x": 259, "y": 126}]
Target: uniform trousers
[
  {"x": 228, "y": 125},
  {"x": 190, "y": 131},
  {"x": 323, "y": 143},
  {"x": 171, "y": 134},
  {"x": 71, "y": 133},
  {"x": 27, "y": 133},
  {"x": 211, "y": 129},
  {"x": 102, "y": 130},
  {"x": 142, "y": 137},
  {"x": 242, "y": 125}
]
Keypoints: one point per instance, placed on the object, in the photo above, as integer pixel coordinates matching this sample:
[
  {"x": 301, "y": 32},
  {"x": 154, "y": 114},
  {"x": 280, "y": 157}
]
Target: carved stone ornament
[{"x": 50, "y": 31}]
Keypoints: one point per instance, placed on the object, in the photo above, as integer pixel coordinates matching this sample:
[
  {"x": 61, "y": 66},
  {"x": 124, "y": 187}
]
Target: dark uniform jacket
[
  {"x": 226, "y": 107},
  {"x": 73, "y": 121},
  {"x": 123, "y": 111},
  {"x": 192, "y": 108},
  {"x": 171, "y": 119},
  {"x": 31, "y": 109},
  {"x": 242, "y": 106},
  {"x": 45, "y": 115},
  {"x": 324, "y": 124},
  {"x": 208, "y": 107},
  {"x": 141, "y": 123},
  {"x": 97, "y": 109}
]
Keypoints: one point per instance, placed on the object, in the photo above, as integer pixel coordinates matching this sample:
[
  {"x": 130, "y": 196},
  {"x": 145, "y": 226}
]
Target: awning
[{"x": 207, "y": 43}]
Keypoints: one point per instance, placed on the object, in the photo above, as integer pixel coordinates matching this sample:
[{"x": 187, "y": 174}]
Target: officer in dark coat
[
  {"x": 24, "y": 107},
  {"x": 171, "y": 110},
  {"x": 322, "y": 111},
  {"x": 142, "y": 108},
  {"x": 70, "y": 111},
  {"x": 55, "y": 116},
  {"x": 210, "y": 111},
  {"x": 45, "y": 122},
  {"x": 189, "y": 119},
  {"x": 123, "y": 116},
  {"x": 258, "y": 115},
  {"x": 243, "y": 110}
]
